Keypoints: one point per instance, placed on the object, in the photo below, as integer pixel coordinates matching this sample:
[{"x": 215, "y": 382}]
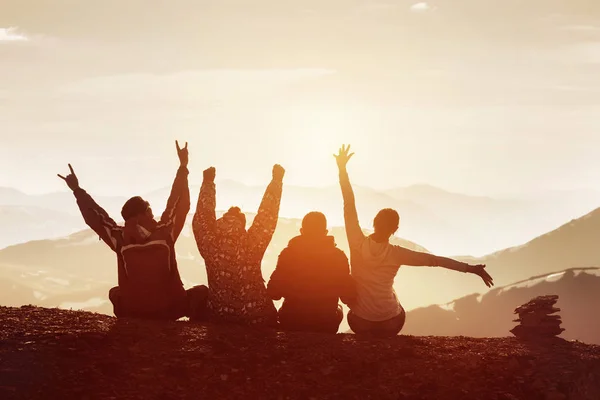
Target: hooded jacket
[
  {"x": 233, "y": 257},
  {"x": 312, "y": 274},
  {"x": 148, "y": 276}
]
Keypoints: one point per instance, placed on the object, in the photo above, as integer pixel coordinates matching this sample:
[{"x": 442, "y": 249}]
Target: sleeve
[
  {"x": 346, "y": 285},
  {"x": 353, "y": 229},
  {"x": 265, "y": 222},
  {"x": 277, "y": 286},
  {"x": 98, "y": 219},
  {"x": 403, "y": 256},
  {"x": 178, "y": 205},
  {"x": 205, "y": 220}
]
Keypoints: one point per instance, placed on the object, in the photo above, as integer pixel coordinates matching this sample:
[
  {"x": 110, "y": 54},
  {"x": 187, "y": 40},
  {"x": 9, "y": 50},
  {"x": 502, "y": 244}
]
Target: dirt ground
[{"x": 51, "y": 353}]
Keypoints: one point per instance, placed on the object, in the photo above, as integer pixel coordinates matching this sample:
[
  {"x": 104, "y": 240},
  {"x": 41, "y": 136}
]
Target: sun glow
[{"x": 313, "y": 135}]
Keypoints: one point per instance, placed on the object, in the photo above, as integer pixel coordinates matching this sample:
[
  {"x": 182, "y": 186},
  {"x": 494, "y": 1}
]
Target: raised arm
[
  {"x": 205, "y": 220},
  {"x": 403, "y": 256},
  {"x": 93, "y": 215},
  {"x": 353, "y": 230},
  {"x": 178, "y": 205},
  {"x": 265, "y": 222}
]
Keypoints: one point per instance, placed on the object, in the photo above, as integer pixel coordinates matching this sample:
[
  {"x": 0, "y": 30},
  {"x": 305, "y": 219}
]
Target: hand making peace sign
[{"x": 183, "y": 154}]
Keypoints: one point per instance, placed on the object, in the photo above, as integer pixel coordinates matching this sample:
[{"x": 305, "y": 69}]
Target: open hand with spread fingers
[
  {"x": 343, "y": 156},
  {"x": 480, "y": 271},
  {"x": 71, "y": 179},
  {"x": 183, "y": 154}
]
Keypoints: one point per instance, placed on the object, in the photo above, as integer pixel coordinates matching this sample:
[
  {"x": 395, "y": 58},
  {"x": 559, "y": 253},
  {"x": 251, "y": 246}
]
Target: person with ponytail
[
  {"x": 233, "y": 255},
  {"x": 374, "y": 263}
]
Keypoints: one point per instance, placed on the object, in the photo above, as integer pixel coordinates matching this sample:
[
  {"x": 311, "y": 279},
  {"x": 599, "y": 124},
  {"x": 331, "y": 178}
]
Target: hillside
[
  {"x": 85, "y": 355},
  {"x": 25, "y": 223},
  {"x": 573, "y": 245},
  {"x": 491, "y": 314},
  {"x": 77, "y": 271}
]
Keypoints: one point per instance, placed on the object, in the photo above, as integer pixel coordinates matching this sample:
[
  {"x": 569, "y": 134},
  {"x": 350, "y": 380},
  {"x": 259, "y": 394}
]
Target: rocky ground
[{"x": 51, "y": 353}]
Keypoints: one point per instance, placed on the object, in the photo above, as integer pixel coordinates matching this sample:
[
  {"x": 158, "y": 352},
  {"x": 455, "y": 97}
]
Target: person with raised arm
[
  {"x": 312, "y": 275},
  {"x": 149, "y": 285},
  {"x": 374, "y": 262},
  {"x": 233, "y": 255}
]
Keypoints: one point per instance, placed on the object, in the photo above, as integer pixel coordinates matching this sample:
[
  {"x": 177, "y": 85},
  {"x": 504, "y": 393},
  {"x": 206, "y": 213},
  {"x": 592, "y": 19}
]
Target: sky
[{"x": 473, "y": 96}]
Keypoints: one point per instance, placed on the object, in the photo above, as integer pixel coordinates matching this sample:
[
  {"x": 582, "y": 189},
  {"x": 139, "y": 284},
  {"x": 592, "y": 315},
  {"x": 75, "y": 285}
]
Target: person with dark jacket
[
  {"x": 149, "y": 283},
  {"x": 233, "y": 255},
  {"x": 312, "y": 274}
]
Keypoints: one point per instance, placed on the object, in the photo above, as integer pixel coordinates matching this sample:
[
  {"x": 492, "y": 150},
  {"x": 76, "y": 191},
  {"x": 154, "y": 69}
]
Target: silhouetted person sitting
[
  {"x": 149, "y": 282},
  {"x": 233, "y": 256},
  {"x": 375, "y": 262},
  {"x": 312, "y": 274}
]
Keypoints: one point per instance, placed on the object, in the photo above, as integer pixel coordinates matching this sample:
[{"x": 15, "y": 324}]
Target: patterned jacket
[
  {"x": 233, "y": 257},
  {"x": 148, "y": 276}
]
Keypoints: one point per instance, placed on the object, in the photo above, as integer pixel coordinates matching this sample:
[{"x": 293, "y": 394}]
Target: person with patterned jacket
[
  {"x": 149, "y": 282},
  {"x": 233, "y": 255}
]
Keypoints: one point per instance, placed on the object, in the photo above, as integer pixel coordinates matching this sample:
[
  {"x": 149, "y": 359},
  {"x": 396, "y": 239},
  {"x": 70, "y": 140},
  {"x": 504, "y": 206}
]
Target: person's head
[
  {"x": 386, "y": 222},
  {"x": 235, "y": 217},
  {"x": 137, "y": 208},
  {"x": 314, "y": 224}
]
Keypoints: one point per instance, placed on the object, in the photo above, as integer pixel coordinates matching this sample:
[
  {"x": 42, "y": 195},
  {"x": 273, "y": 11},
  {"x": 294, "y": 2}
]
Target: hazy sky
[{"x": 475, "y": 96}]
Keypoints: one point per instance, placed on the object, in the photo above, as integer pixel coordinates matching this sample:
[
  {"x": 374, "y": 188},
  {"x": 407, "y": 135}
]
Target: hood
[
  {"x": 230, "y": 227},
  {"x": 312, "y": 242},
  {"x": 373, "y": 252},
  {"x": 134, "y": 233}
]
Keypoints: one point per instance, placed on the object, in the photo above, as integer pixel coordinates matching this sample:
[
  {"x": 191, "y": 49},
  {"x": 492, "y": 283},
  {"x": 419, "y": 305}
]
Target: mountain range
[
  {"x": 76, "y": 271},
  {"x": 491, "y": 314},
  {"x": 446, "y": 223}
]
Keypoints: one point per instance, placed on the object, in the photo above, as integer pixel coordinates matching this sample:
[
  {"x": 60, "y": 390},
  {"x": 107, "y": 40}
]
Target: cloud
[
  {"x": 420, "y": 7},
  {"x": 196, "y": 85},
  {"x": 580, "y": 28},
  {"x": 11, "y": 35}
]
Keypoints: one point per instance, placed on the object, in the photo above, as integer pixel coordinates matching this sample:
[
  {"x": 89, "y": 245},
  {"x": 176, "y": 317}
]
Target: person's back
[
  {"x": 149, "y": 281},
  {"x": 312, "y": 274},
  {"x": 233, "y": 255}
]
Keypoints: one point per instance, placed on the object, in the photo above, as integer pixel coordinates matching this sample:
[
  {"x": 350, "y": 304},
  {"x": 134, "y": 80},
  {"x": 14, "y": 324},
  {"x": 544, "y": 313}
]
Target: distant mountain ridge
[
  {"x": 573, "y": 245},
  {"x": 89, "y": 267},
  {"x": 448, "y": 223},
  {"x": 491, "y": 314}
]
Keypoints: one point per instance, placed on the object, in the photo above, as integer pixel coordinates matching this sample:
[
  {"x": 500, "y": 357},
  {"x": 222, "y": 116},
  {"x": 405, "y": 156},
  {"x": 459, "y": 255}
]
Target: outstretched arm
[
  {"x": 93, "y": 215},
  {"x": 205, "y": 220},
  {"x": 265, "y": 222},
  {"x": 178, "y": 205},
  {"x": 403, "y": 256},
  {"x": 353, "y": 230}
]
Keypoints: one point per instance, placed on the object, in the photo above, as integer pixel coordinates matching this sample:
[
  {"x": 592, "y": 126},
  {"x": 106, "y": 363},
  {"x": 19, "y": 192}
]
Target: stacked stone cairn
[{"x": 536, "y": 319}]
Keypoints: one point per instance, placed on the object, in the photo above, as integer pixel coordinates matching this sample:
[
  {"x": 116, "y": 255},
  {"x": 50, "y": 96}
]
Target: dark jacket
[
  {"x": 148, "y": 276},
  {"x": 312, "y": 274}
]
